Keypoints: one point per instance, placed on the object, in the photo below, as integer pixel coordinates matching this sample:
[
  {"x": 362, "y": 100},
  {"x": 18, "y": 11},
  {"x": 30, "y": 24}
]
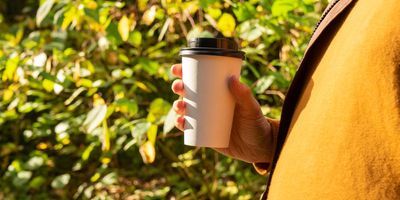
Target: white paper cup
[{"x": 209, "y": 103}]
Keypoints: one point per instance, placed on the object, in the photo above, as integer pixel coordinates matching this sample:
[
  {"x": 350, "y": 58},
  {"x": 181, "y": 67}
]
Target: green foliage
[{"x": 85, "y": 99}]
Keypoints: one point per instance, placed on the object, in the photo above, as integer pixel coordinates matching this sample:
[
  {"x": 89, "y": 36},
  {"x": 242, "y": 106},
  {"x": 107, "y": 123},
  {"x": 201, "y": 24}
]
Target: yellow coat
[{"x": 339, "y": 133}]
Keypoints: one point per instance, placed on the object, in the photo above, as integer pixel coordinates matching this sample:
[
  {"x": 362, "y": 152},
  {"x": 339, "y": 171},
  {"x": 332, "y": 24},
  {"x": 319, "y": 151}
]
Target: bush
[{"x": 85, "y": 94}]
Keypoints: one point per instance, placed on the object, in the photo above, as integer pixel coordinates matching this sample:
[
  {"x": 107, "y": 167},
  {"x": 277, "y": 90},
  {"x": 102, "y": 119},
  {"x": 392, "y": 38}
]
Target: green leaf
[
  {"x": 34, "y": 163},
  {"x": 113, "y": 35},
  {"x": 8, "y": 148},
  {"x": 149, "y": 66},
  {"x": 16, "y": 165},
  {"x": 61, "y": 127},
  {"x": 244, "y": 11},
  {"x": 27, "y": 107},
  {"x": 140, "y": 129},
  {"x": 95, "y": 117},
  {"x": 39, "y": 60},
  {"x": 43, "y": 11},
  {"x": 123, "y": 27},
  {"x": 37, "y": 182},
  {"x": 263, "y": 83},
  {"x": 88, "y": 151},
  {"x": 122, "y": 57},
  {"x": 197, "y": 32},
  {"x": 135, "y": 38},
  {"x": 11, "y": 67},
  {"x": 310, "y": 1},
  {"x": 110, "y": 178},
  {"x": 127, "y": 106},
  {"x": 74, "y": 95},
  {"x": 250, "y": 30},
  {"x": 22, "y": 178},
  {"x": 60, "y": 181},
  {"x": 226, "y": 24},
  {"x": 283, "y": 7},
  {"x": 206, "y": 3},
  {"x": 158, "y": 110}
]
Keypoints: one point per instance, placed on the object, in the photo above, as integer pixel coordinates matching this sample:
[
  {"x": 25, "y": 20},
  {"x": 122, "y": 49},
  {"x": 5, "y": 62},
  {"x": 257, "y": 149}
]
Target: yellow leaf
[
  {"x": 91, "y": 4},
  {"x": 7, "y": 95},
  {"x": 142, "y": 4},
  {"x": 11, "y": 67},
  {"x": 95, "y": 177},
  {"x": 149, "y": 15},
  {"x": 152, "y": 133},
  {"x": 123, "y": 28},
  {"x": 69, "y": 16},
  {"x": 48, "y": 85},
  {"x": 18, "y": 36},
  {"x": 148, "y": 152},
  {"x": 65, "y": 141},
  {"x": 192, "y": 7},
  {"x": 226, "y": 24},
  {"x": 9, "y": 92},
  {"x": 42, "y": 146},
  {"x": 98, "y": 100},
  {"x": 95, "y": 117},
  {"x": 105, "y": 160},
  {"x": 106, "y": 137},
  {"x": 142, "y": 86}
]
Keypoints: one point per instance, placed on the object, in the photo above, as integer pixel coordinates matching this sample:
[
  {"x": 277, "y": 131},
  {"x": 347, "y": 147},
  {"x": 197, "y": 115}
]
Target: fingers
[
  {"x": 176, "y": 70},
  {"x": 180, "y": 123},
  {"x": 179, "y": 107},
  {"x": 177, "y": 87},
  {"x": 243, "y": 96}
]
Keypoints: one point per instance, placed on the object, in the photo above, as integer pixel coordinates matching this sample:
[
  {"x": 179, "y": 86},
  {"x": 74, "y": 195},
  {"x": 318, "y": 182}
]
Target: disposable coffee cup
[{"x": 207, "y": 65}]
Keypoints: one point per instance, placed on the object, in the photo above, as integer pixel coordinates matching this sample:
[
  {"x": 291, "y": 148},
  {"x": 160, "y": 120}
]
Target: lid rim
[
  {"x": 221, "y": 43},
  {"x": 213, "y": 46},
  {"x": 198, "y": 51}
]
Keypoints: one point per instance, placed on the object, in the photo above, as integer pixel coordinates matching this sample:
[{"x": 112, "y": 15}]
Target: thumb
[{"x": 242, "y": 95}]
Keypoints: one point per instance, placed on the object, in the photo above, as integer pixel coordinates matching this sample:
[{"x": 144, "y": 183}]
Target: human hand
[{"x": 251, "y": 136}]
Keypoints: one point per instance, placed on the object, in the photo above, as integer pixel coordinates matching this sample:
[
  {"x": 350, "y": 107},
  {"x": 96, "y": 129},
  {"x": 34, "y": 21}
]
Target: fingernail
[
  {"x": 180, "y": 85},
  {"x": 181, "y": 119},
  {"x": 181, "y": 104}
]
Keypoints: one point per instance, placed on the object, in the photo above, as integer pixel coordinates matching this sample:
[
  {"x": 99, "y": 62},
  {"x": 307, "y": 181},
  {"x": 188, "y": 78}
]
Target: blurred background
[{"x": 85, "y": 94}]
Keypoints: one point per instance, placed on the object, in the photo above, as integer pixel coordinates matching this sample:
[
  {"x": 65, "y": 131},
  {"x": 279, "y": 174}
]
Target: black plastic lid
[{"x": 212, "y": 46}]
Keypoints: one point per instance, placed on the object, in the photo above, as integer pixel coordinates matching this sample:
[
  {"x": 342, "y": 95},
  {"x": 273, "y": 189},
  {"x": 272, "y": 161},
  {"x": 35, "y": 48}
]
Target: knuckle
[
  {"x": 176, "y": 105},
  {"x": 246, "y": 91},
  {"x": 178, "y": 83}
]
